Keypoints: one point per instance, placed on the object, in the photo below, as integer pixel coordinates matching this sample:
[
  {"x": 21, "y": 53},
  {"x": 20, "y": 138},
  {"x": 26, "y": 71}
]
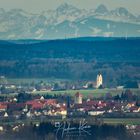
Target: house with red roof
[
  {"x": 41, "y": 103},
  {"x": 3, "y": 106}
]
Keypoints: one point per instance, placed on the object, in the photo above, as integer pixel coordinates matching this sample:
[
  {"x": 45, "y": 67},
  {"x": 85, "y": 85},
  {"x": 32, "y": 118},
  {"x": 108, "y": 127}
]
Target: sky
[{"x": 36, "y": 6}]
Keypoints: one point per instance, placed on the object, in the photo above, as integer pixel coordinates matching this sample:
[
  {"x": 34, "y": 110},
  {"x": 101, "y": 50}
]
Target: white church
[{"x": 99, "y": 81}]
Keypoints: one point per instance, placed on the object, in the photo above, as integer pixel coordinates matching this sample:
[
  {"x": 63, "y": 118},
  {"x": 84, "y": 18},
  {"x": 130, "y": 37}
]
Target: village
[
  {"x": 27, "y": 107},
  {"x": 66, "y": 106}
]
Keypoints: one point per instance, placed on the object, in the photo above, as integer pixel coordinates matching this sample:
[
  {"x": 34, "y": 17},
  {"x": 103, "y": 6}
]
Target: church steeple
[{"x": 99, "y": 80}]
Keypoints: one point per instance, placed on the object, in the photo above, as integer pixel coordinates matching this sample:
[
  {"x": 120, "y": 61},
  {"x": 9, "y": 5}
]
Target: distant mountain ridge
[{"x": 67, "y": 21}]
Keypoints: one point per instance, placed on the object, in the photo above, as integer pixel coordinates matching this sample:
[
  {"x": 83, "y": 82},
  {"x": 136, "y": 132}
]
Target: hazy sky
[{"x": 36, "y": 6}]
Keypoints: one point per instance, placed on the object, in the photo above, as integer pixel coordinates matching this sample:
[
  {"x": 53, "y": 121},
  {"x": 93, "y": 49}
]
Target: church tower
[
  {"x": 99, "y": 81},
  {"x": 78, "y": 98}
]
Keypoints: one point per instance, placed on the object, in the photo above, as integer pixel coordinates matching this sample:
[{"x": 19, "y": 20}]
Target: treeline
[
  {"x": 126, "y": 74},
  {"x": 117, "y": 59},
  {"x": 115, "y": 50}
]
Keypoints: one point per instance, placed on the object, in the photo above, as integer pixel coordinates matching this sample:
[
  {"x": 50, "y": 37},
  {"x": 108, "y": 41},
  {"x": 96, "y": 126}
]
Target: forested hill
[
  {"x": 80, "y": 58},
  {"x": 99, "y": 49}
]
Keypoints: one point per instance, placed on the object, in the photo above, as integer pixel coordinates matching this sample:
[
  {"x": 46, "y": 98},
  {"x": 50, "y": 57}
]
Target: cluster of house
[
  {"x": 95, "y": 107},
  {"x": 31, "y": 109},
  {"x": 39, "y": 107},
  {"x": 134, "y": 129}
]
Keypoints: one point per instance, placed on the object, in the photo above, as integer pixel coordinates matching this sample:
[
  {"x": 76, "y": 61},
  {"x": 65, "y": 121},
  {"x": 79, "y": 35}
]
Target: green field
[
  {"x": 88, "y": 93},
  {"x": 109, "y": 121},
  {"x": 129, "y": 121},
  {"x": 35, "y": 80}
]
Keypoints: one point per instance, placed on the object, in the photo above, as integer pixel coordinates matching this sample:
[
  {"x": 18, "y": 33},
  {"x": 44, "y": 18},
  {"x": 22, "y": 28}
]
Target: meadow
[
  {"x": 95, "y": 93},
  {"x": 88, "y": 92}
]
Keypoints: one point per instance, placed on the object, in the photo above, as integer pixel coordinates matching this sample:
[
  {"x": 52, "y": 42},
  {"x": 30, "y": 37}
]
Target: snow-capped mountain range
[{"x": 68, "y": 21}]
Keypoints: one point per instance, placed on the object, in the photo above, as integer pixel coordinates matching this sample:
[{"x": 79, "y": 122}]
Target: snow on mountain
[
  {"x": 95, "y": 30},
  {"x": 119, "y": 14},
  {"x": 68, "y": 21},
  {"x": 69, "y": 12},
  {"x": 101, "y": 9}
]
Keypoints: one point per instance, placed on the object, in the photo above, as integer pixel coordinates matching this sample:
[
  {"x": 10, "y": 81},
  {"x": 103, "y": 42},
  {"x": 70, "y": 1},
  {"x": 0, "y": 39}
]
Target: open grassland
[
  {"x": 88, "y": 93},
  {"x": 35, "y": 80},
  {"x": 129, "y": 121},
  {"x": 109, "y": 121}
]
